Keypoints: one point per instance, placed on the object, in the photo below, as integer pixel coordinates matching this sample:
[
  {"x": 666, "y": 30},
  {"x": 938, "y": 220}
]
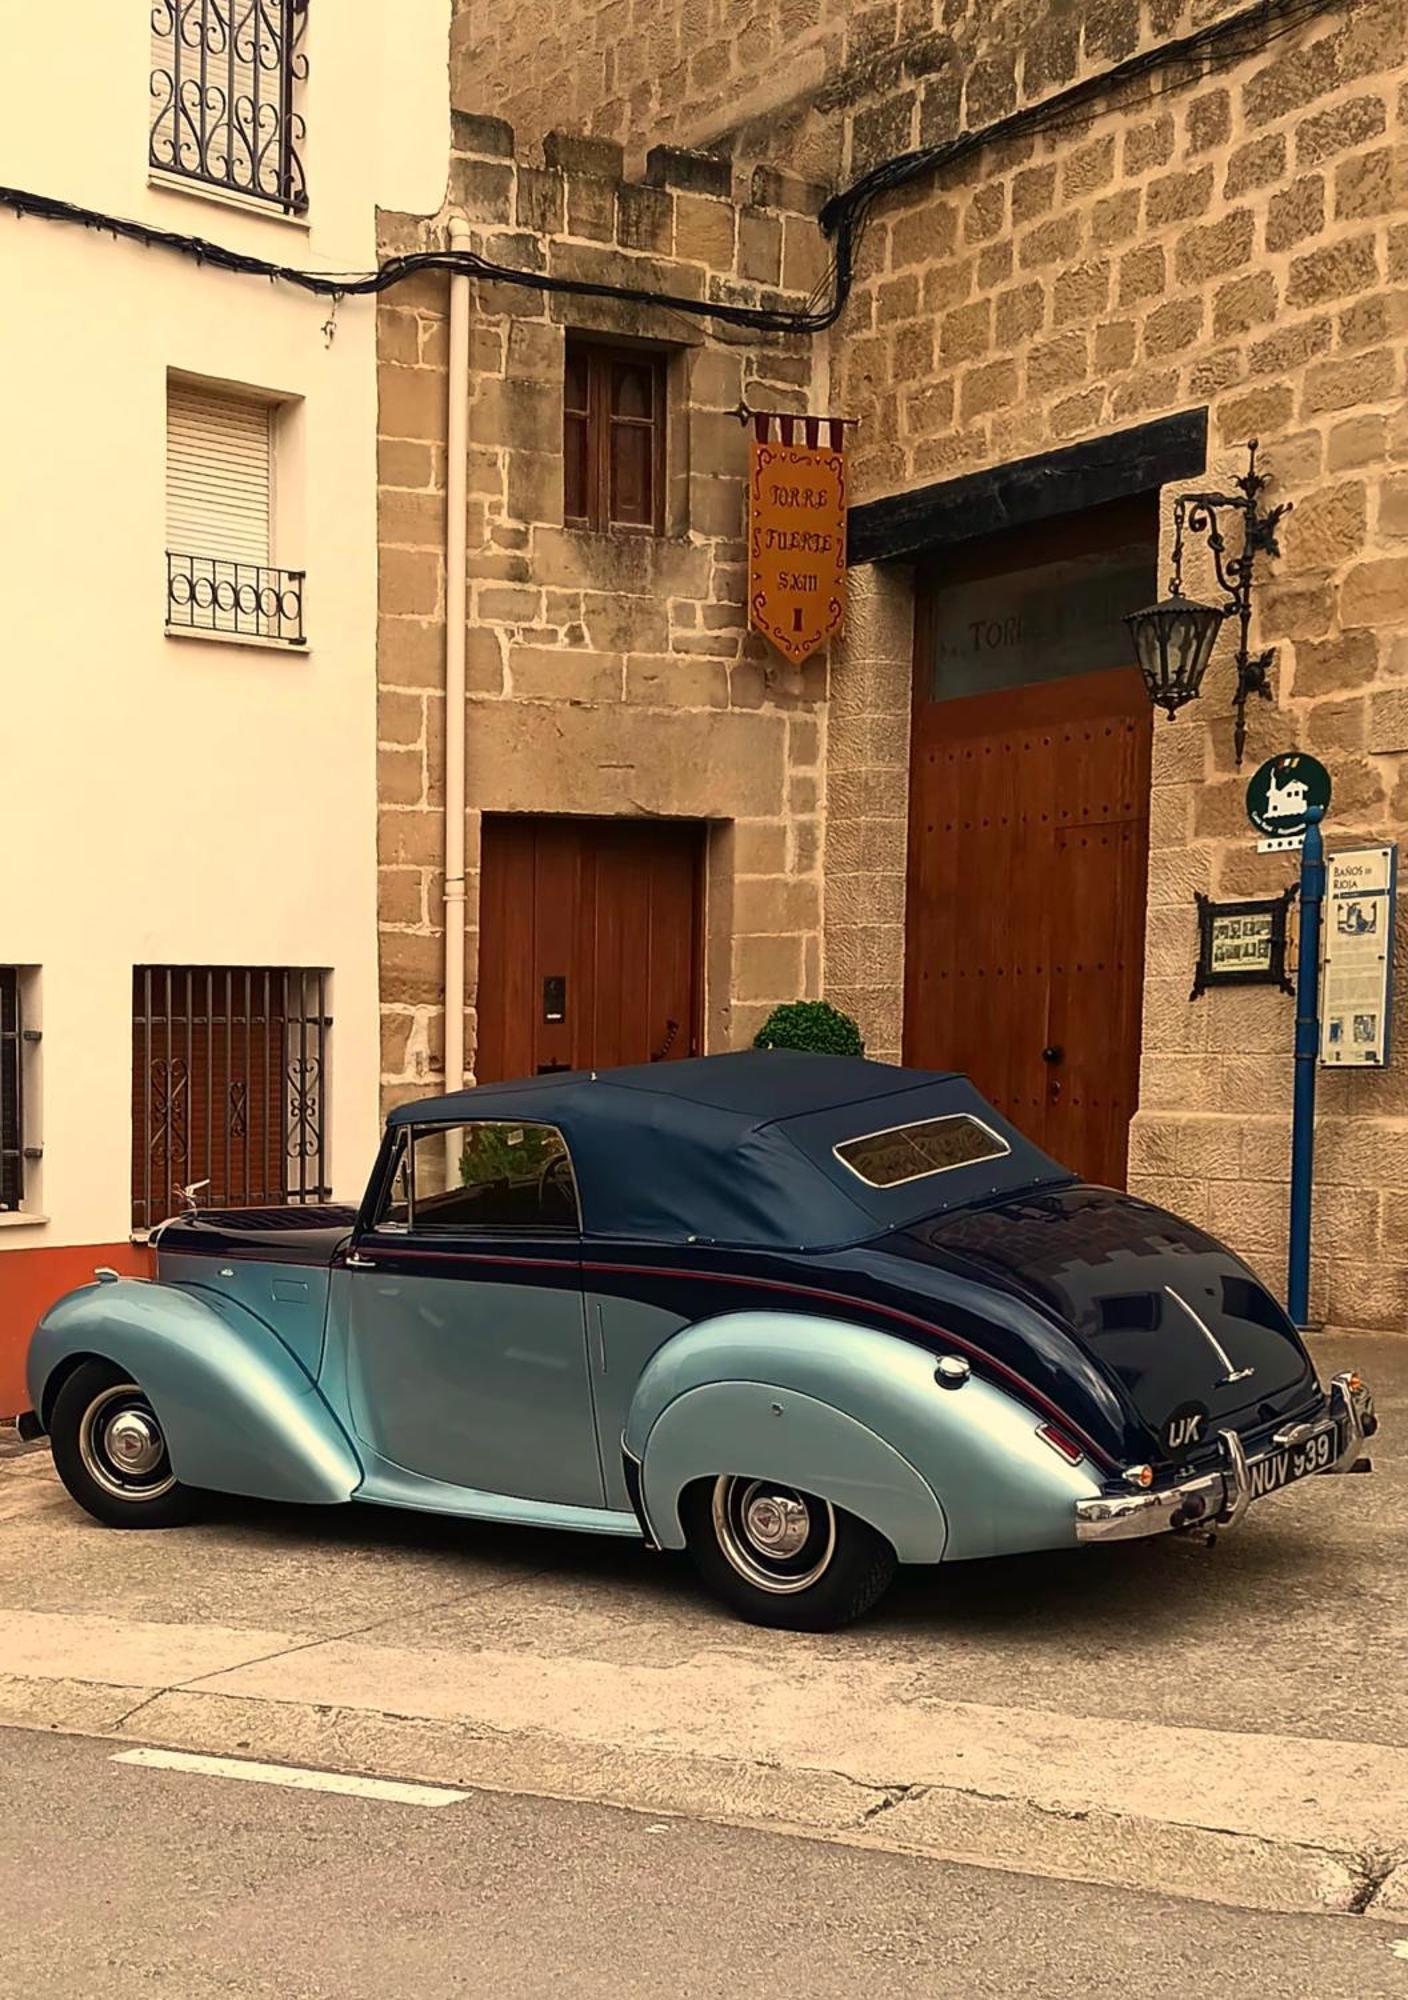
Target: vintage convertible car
[{"x": 804, "y": 1316}]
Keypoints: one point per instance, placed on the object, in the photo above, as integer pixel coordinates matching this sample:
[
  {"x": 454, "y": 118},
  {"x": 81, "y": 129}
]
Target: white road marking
[{"x": 296, "y": 1777}]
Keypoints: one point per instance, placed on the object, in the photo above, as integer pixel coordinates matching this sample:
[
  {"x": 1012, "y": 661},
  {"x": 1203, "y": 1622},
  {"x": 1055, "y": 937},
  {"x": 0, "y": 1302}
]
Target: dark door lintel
[{"x": 1068, "y": 481}]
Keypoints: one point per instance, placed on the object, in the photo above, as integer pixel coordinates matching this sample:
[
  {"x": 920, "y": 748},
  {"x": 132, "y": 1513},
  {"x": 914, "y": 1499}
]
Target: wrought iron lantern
[{"x": 1173, "y": 640}]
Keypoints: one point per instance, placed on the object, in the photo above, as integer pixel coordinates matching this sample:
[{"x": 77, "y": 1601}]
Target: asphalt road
[{"x": 117, "y": 1881}]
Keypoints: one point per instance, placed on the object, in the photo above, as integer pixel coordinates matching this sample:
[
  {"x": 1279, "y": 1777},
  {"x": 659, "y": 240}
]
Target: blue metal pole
[{"x": 1312, "y": 895}]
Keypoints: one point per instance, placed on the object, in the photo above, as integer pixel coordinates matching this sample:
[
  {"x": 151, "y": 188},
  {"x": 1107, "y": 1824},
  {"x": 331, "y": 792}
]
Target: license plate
[{"x": 1298, "y": 1461}]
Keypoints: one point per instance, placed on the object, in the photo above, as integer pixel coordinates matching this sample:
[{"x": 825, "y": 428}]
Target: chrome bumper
[{"x": 1218, "y": 1500}]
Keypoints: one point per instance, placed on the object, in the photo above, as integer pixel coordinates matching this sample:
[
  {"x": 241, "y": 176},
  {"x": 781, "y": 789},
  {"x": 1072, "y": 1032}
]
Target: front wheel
[
  {"x": 111, "y": 1454},
  {"x": 781, "y": 1557}
]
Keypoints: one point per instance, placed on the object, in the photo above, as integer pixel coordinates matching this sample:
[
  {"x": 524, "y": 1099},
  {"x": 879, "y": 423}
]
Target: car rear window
[{"x": 910, "y": 1152}]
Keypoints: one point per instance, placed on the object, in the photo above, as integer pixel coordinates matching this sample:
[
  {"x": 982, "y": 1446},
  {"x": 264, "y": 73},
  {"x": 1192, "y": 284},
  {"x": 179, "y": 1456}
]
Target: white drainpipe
[{"x": 456, "y": 609}]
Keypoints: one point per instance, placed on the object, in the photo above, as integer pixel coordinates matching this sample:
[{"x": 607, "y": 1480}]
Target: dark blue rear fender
[{"x": 239, "y": 1413}]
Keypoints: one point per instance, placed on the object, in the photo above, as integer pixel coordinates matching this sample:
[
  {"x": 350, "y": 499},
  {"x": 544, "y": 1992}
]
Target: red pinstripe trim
[
  {"x": 1019, "y": 1383},
  {"x": 978, "y": 1354}
]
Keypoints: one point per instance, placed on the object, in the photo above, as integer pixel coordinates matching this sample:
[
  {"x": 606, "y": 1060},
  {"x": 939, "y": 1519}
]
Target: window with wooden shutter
[
  {"x": 220, "y": 575},
  {"x": 613, "y": 438}
]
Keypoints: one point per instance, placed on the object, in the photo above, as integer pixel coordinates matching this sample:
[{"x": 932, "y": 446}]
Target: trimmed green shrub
[{"x": 812, "y": 1025}]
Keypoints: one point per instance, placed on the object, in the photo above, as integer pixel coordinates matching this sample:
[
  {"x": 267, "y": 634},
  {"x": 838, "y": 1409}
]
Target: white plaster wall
[{"x": 179, "y": 801}]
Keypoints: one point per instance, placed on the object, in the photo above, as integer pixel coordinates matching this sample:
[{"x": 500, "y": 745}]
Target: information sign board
[{"x": 1356, "y": 978}]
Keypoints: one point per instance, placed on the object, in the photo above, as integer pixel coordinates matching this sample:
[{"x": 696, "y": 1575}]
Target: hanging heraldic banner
[
  {"x": 1356, "y": 977},
  {"x": 797, "y": 531}
]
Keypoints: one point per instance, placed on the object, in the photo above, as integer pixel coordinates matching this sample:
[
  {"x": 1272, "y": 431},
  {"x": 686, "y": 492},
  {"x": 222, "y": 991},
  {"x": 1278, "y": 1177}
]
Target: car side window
[
  {"x": 395, "y": 1211},
  {"x": 486, "y": 1174}
]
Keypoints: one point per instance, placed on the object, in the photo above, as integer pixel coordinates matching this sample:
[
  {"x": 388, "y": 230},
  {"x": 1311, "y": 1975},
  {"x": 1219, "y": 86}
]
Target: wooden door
[
  {"x": 1028, "y": 832},
  {"x": 589, "y": 944}
]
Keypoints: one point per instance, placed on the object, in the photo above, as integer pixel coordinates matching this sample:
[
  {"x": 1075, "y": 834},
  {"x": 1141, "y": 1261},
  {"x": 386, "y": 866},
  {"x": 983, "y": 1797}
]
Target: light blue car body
[{"x": 525, "y": 1405}]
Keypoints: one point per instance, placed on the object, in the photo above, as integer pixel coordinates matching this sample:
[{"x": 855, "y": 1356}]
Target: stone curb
[{"x": 1117, "y": 1850}]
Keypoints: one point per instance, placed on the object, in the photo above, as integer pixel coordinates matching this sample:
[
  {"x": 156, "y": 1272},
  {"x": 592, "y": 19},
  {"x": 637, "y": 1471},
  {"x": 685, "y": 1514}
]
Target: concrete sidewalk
[{"x": 1231, "y": 1725}]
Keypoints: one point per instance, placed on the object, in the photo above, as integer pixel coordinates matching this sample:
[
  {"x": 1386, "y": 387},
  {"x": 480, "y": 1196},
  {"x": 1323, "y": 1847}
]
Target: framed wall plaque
[{"x": 1242, "y": 944}]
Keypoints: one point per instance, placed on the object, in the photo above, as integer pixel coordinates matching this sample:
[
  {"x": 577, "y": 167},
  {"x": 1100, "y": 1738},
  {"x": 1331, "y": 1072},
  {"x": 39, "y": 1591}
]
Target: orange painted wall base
[{"x": 31, "y": 1280}]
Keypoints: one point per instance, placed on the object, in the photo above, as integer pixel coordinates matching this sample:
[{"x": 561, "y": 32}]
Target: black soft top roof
[{"x": 738, "y": 1149}]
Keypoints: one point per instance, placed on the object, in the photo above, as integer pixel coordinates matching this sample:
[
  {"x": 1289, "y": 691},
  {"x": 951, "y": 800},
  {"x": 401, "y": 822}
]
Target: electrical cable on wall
[{"x": 1190, "y": 58}]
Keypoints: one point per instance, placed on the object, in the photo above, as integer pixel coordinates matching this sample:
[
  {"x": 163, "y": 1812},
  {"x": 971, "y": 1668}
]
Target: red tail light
[{"x": 1059, "y": 1442}]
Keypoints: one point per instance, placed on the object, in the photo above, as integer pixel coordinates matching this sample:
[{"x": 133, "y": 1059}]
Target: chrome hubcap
[
  {"x": 776, "y": 1538},
  {"x": 134, "y": 1442},
  {"x": 777, "y": 1524},
  {"x": 122, "y": 1447}
]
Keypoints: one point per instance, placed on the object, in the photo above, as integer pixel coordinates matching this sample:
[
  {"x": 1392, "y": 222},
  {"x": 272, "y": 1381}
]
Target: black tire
[
  {"x": 838, "y": 1570},
  {"x": 144, "y": 1492}
]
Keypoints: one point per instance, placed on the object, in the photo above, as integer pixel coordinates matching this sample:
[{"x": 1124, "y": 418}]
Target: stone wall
[
  {"x": 1240, "y": 245},
  {"x": 825, "y": 85},
  {"x": 606, "y": 674},
  {"x": 1234, "y": 240},
  {"x": 867, "y": 807}
]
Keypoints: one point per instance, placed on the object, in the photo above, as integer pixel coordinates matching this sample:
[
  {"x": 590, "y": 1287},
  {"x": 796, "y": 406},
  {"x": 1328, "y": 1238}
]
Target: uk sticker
[{"x": 1186, "y": 1428}]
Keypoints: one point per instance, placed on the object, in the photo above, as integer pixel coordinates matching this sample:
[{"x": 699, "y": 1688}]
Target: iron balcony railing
[
  {"x": 226, "y": 83},
  {"x": 229, "y": 1087},
  {"x": 210, "y": 594}
]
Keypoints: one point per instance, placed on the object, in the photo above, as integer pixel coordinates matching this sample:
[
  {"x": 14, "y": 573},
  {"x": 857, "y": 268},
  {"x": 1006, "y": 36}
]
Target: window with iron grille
[
  {"x": 613, "y": 438},
  {"x": 227, "y": 82},
  {"x": 220, "y": 479},
  {"x": 11, "y": 1090},
  {"x": 229, "y": 1083}
]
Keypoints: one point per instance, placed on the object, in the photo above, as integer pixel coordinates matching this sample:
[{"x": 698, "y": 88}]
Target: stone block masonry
[
  {"x": 607, "y": 674},
  {"x": 825, "y": 86},
  {"x": 1234, "y": 242},
  {"x": 1241, "y": 246}
]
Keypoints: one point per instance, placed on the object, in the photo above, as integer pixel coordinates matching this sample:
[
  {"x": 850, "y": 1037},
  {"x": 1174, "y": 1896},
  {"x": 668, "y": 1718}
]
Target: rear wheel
[
  {"x": 781, "y": 1557},
  {"x": 110, "y": 1451}
]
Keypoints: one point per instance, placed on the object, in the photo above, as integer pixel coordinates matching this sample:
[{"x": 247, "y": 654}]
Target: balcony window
[
  {"x": 220, "y": 574},
  {"x": 229, "y": 1080},
  {"x": 227, "y": 80}
]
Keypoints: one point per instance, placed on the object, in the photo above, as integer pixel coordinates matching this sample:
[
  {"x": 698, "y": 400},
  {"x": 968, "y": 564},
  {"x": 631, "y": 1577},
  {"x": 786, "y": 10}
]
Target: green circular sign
[{"x": 1282, "y": 794}]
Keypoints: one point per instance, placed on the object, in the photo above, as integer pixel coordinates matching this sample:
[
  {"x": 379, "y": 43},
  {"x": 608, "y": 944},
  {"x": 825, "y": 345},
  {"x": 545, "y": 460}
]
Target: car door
[{"x": 466, "y": 1338}]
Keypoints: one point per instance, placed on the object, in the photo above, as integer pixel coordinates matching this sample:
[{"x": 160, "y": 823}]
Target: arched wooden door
[{"x": 1028, "y": 834}]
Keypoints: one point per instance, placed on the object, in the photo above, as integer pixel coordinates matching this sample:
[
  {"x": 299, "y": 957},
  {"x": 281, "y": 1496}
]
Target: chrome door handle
[{"x": 355, "y": 1261}]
